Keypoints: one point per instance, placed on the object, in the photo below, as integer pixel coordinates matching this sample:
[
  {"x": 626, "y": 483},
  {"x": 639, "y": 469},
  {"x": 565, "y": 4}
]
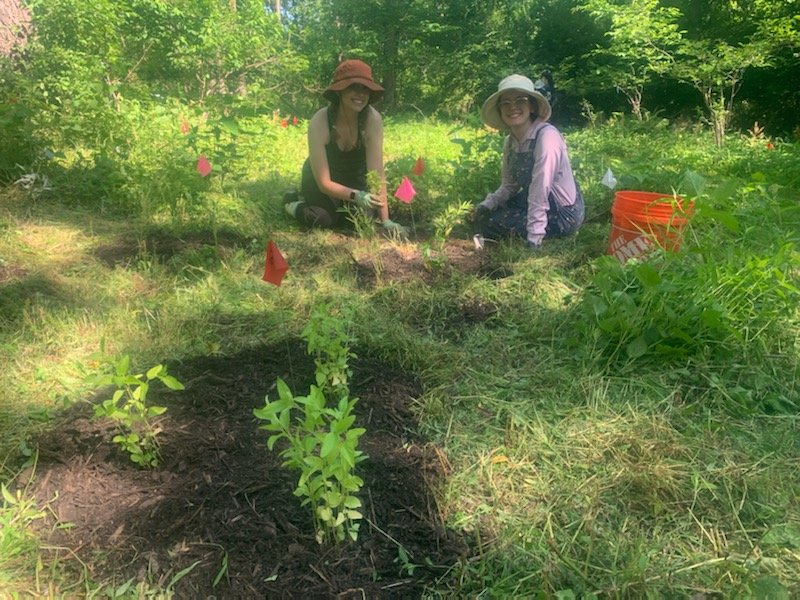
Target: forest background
[{"x": 727, "y": 63}]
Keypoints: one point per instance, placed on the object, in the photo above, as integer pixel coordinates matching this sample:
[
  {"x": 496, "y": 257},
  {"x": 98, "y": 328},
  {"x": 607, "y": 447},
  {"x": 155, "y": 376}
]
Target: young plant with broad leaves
[
  {"x": 318, "y": 434},
  {"x": 128, "y": 408},
  {"x": 322, "y": 444},
  {"x": 444, "y": 223},
  {"x": 329, "y": 342}
]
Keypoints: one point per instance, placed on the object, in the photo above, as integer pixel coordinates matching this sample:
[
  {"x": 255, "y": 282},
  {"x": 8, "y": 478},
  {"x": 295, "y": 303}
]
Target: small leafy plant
[
  {"x": 444, "y": 223},
  {"x": 128, "y": 408},
  {"x": 363, "y": 221},
  {"x": 328, "y": 340},
  {"x": 323, "y": 446},
  {"x": 321, "y": 441}
]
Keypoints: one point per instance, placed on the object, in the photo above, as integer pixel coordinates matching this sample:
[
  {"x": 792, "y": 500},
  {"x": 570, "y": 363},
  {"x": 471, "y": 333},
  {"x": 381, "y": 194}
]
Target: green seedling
[
  {"x": 321, "y": 441},
  {"x": 323, "y": 445},
  {"x": 329, "y": 342},
  {"x": 445, "y": 222},
  {"x": 363, "y": 221},
  {"x": 433, "y": 256},
  {"x": 128, "y": 408}
]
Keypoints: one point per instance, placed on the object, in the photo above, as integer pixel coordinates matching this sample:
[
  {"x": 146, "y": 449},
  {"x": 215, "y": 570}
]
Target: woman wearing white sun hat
[{"x": 538, "y": 197}]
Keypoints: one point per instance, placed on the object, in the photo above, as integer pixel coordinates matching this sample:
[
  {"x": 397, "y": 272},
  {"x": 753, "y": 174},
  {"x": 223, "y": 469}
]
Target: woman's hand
[
  {"x": 366, "y": 200},
  {"x": 395, "y": 229}
]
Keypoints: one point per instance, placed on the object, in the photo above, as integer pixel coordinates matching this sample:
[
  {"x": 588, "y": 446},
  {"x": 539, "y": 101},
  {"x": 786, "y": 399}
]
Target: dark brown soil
[
  {"x": 221, "y": 507},
  {"x": 400, "y": 263}
]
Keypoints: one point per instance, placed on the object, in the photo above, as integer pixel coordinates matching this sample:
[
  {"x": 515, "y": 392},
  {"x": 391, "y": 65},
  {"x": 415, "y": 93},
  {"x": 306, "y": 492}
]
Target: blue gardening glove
[
  {"x": 393, "y": 228},
  {"x": 365, "y": 200}
]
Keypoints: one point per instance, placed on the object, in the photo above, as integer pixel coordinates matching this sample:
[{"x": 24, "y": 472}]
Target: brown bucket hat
[{"x": 350, "y": 72}]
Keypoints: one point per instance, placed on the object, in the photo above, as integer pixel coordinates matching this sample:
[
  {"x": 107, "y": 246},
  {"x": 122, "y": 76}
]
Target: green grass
[{"x": 576, "y": 467}]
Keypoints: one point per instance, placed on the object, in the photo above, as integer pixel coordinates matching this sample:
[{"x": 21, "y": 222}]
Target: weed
[{"x": 17, "y": 514}]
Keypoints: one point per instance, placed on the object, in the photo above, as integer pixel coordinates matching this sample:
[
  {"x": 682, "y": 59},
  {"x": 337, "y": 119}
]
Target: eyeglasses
[{"x": 516, "y": 103}]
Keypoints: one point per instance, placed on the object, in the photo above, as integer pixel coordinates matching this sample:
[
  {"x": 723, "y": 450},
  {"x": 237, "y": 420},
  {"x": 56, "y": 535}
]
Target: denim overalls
[{"x": 512, "y": 218}]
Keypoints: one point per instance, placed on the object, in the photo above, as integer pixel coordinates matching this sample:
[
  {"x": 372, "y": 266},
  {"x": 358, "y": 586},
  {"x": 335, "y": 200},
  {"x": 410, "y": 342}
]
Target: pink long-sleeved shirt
[{"x": 551, "y": 174}]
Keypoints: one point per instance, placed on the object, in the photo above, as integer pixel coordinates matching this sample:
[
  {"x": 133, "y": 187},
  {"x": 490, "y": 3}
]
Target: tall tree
[
  {"x": 716, "y": 70},
  {"x": 643, "y": 38}
]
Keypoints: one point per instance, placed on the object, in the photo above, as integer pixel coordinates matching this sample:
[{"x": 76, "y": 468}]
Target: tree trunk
[
  {"x": 241, "y": 79},
  {"x": 390, "y": 51},
  {"x": 278, "y": 9}
]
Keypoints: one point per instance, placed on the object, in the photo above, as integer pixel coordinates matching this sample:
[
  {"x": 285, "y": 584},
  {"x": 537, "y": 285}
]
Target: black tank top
[{"x": 348, "y": 167}]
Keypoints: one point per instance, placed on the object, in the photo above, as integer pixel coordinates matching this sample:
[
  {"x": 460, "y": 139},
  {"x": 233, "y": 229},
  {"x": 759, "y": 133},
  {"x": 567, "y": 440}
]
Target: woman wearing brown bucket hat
[
  {"x": 538, "y": 196},
  {"x": 345, "y": 141}
]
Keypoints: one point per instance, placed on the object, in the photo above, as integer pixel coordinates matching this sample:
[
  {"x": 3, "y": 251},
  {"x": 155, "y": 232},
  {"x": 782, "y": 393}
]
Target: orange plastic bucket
[{"x": 640, "y": 220}]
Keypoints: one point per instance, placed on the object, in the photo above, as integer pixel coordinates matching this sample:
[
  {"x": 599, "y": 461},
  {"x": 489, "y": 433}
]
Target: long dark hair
[{"x": 333, "y": 112}]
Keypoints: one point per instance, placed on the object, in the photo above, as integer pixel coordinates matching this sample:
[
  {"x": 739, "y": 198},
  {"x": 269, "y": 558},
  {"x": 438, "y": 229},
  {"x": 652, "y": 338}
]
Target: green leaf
[
  {"x": 171, "y": 382},
  {"x": 332, "y": 498},
  {"x": 181, "y": 574},
  {"x": 355, "y": 433},
  {"x": 783, "y": 535},
  {"x": 647, "y": 275},
  {"x": 153, "y": 372},
  {"x": 352, "y": 502},
  {"x": 140, "y": 392},
  {"x": 768, "y": 587},
  {"x": 693, "y": 183},
  {"x": 325, "y": 514},
  {"x": 347, "y": 456},
  {"x": 711, "y": 318},
  {"x": 344, "y": 424},
  {"x": 329, "y": 444},
  {"x": 637, "y": 347},
  {"x": 283, "y": 390},
  {"x": 7, "y": 496},
  {"x": 123, "y": 365}
]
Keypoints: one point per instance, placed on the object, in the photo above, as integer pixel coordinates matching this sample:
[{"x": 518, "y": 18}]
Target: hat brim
[
  {"x": 375, "y": 91},
  {"x": 490, "y": 112}
]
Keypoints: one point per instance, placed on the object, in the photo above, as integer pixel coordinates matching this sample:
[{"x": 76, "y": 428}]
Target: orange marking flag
[
  {"x": 275, "y": 265},
  {"x": 203, "y": 166}
]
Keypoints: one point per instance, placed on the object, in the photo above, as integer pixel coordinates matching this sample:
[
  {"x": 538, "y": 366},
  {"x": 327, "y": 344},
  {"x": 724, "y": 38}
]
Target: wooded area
[{"x": 725, "y": 63}]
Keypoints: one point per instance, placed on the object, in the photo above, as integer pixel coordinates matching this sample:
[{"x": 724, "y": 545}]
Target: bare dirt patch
[{"x": 406, "y": 262}]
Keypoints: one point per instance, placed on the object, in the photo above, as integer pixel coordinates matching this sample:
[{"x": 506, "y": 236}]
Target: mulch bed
[{"x": 221, "y": 507}]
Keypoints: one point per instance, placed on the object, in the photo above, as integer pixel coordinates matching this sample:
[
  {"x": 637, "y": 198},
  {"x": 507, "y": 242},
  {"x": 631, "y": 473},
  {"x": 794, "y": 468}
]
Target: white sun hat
[{"x": 490, "y": 114}]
